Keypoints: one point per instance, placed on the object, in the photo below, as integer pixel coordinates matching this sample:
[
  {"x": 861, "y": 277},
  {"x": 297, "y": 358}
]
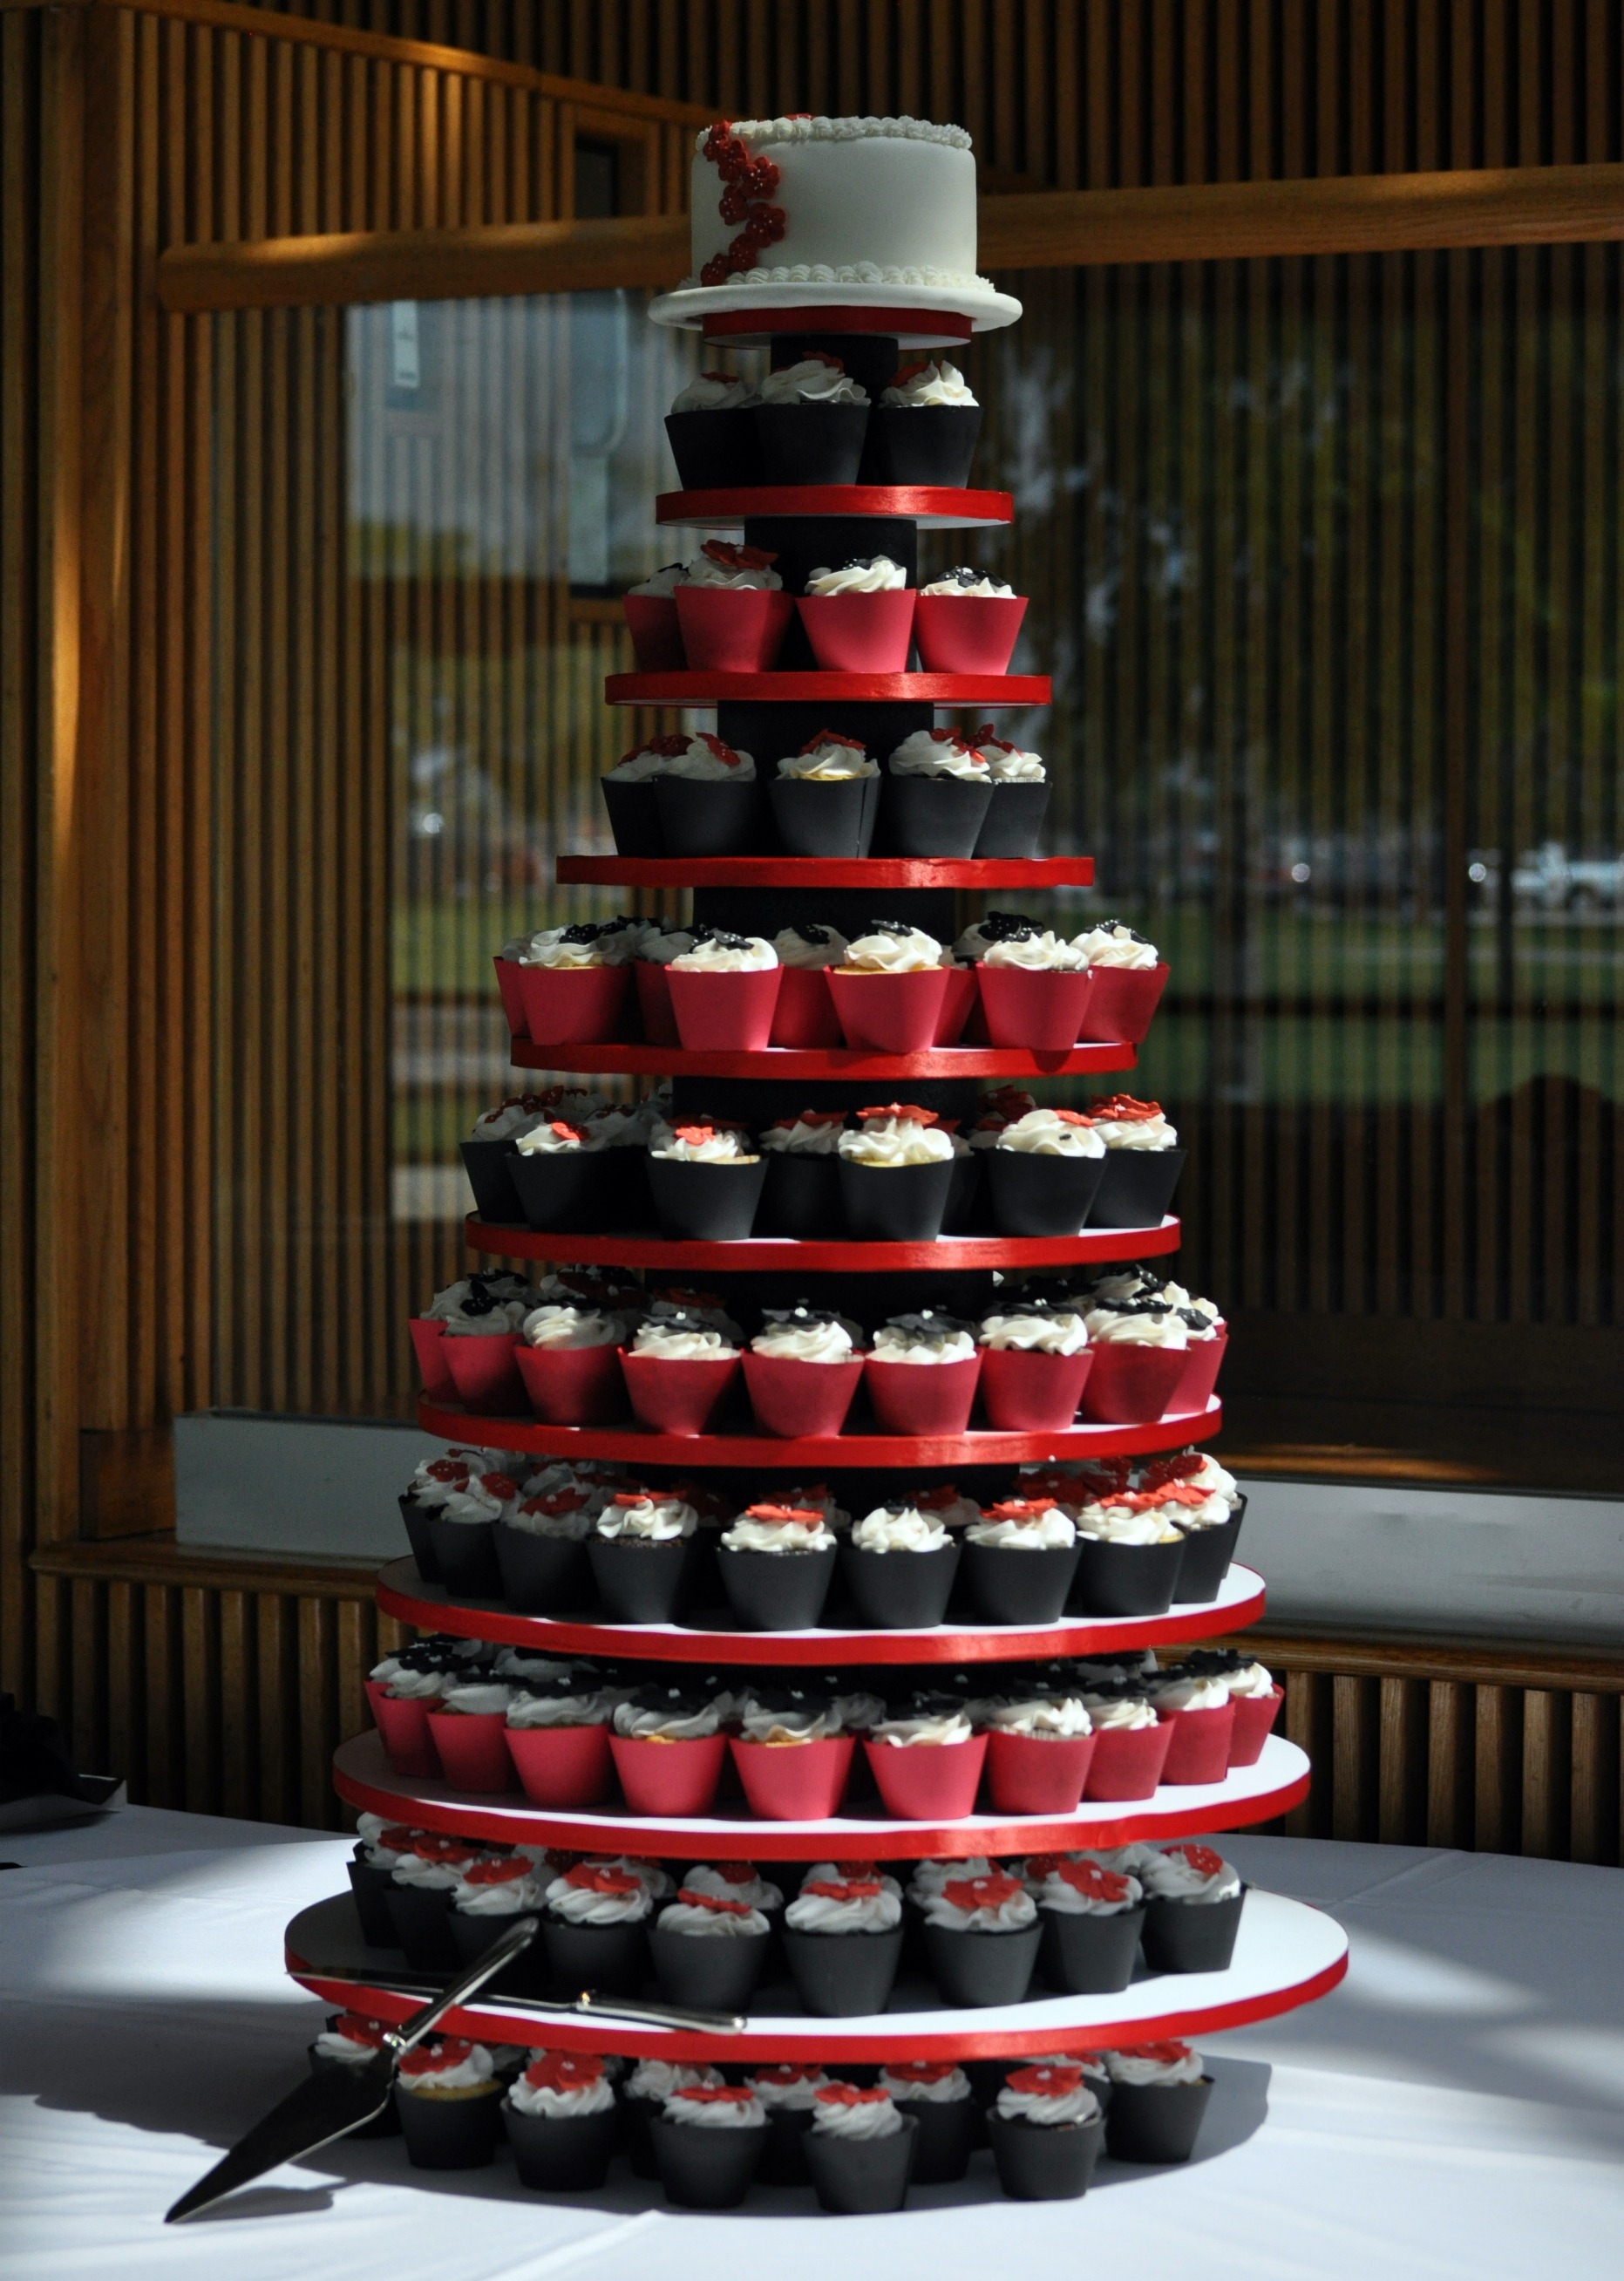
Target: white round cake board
[{"x": 691, "y": 305}]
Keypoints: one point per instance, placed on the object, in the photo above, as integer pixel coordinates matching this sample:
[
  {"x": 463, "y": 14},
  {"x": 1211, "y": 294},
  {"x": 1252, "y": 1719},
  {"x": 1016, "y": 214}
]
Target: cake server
[{"x": 338, "y": 2101}]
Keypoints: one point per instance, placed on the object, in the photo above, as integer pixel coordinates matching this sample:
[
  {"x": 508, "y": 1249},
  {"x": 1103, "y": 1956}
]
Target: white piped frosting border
[
  {"x": 842, "y": 130},
  {"x": 856, "y": 273}
]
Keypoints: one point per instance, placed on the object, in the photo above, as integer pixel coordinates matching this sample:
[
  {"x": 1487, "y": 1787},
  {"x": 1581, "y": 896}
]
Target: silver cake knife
[{"x": 338, "y": 2101}]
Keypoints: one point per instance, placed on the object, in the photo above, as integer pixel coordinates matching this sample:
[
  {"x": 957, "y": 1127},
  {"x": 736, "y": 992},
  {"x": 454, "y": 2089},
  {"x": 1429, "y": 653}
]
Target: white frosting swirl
[
  {"x": 727, "y": 954},
  {"x": 583, "y": 1903},
  {"x": 963, "y": 581},
  {"x": 813, "y": 1134},
  {"x": 1190, "y": 1873},
  {"x": 789, "y": 1341},
  {"x": 916, "y": 1339},
  {"x": 794, "y": 949},
  {"x": 879, "y": 575},
  {"x": 570, "y": 1327},
  {"x": 1024, "y": 1334},
  {"x": 1112, "y": 944},
  {"x": 1155, "y": 2063},
  {"x": 1041, "y": 952},
  {"x": 640, "y": 1519},
  {"x": 1112, "y": 1326},
  {"x": 713, "y": 391},
  {"x": 1063, "y": 1717},
  {"x": 935, "y": 381},
  {"x": 884, "y": 1142},
  {"x": 841, "y": 1907},
  {"x": 904, "y": 950},
  {"x": 1122, "y": 1524},
  {"x": 720, "y": 1920},
  {"x": 1019, "y": 1528},
  {"x": 1050, "y": 1133},
  {"x": 828, "y": 760},
  {"x": 841, "y": 2111},
  {"x": 884, "y": 1530},
  {"x": 927, "y": 1730},
  {"x": 560, "y": 2100},
  {"x": 1153, "y": 1133},
  {"x": 938, "y": 753},
  {"x": 1066, "y": 2103},
  {"x": 813, "y": 380}
]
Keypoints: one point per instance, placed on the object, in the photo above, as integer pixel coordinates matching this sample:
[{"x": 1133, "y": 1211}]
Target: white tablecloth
[{"x": 1455, "y": 2109}]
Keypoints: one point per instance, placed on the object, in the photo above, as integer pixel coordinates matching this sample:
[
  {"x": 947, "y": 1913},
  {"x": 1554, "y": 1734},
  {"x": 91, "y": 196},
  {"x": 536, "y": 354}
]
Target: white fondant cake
[{"x": 826, "y": 210}]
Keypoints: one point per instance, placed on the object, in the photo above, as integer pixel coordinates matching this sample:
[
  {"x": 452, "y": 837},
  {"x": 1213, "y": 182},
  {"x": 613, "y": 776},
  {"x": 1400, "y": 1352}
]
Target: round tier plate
[
  {"x": 760, "y": 1254},
  {"x": 635, "y": 1445},
  {"x": 362, "y": 1774},
  {"x": 914, "y": 316},
  {"x": 685, "y": 688},
  {"x": 788, "y": 1062},
  {"x": 1286, "y": 1953},
  {"x": 402, "y": 1592},
  {"x": 932, "y": 506},
  {"x": 1038, "y": 871}
]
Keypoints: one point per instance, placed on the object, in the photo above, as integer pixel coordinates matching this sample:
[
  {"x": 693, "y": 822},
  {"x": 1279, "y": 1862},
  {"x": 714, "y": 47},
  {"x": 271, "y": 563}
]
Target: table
[{"x": 1455, "y": 2109}]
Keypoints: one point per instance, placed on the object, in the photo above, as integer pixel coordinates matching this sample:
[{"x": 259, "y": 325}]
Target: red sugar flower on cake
[
  {"x": 748, "y": 184},
  {"x": 847, "y": 2094},
  {"x": 732, "y": 556},
  {"x": 718, "y": 2094},
  {"x": 1088, "y": 1878},
  {"x": 920, "y": 2070},
  {"x": 1202, "y": 1859},
  {"x": 715, "y": 1902},
  {"x": 1045, "y": 2082},
  {"x": 903, "y": 1109},
  {"x": 988, "y": 1892},
  {"x": 498, "y": 1873},
  {"x": 844, "y": 1889},
  {"x": 564, "y": 2071},
  {"x": 435, "y": 2059},
  {"x": 589, "y": 1877}
]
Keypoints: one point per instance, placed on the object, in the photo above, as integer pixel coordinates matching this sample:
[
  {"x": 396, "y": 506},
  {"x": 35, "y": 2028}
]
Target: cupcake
[
  {"x": 709, "y": 1951},
  {"x": 542, "y": 1552},
  {"x": 462, "y": 1530},
  {"x": 801, "y": 1197},
  {"x": 679, "y": 1371},
  {"x": 1129, "y": 977},
  {"x": 802, "y": 1369},
  {"x": 1143, "y": 1162},
  {"x": 683, "y": 795},
  {"x": 793, "y": 1754},
  {"x": 981, "y": 1939},
  {"x": 713, "y": 436},
  {"x": 895, "y": 1168},
  {"x": 433, "y": 1480},
  {"x": 1129, "y": 1555},
  {"x": 888, "y": 991},
  {"x": 1035, "y": 1358},
  {"x": 400, "y": 1702},
  {"x": 1044, "y": 1171},
  {"x": 1140, "y": 1350},
  {"x": 811, "y": 418},
  {"x": 967, "y": 622},
  {"x": 648, "y": 2087},
  {"x": 487, "y": 1902},
  {"x": 724, "y": 991},
  {"x": 650, "y": 611},
  {"x": 596, "y": 1928},
  {"x": 935, "y": 2095},
  {"x": 733, "y": 612},
  {"x": 786, "y": 2093},
  {"x": 379, "y": 1845},
  {"x": 557, "y": 1176},
  {"x": 927, "y": 1759},
  {"x": 468, "y": 1726},
  {"x": 1130, "y": 1743},
  {"x": 842, "y": 1939},
  {"x": 1034, "y": 986},
  {"x": 777, "y": 1562},
  {"x": 668, "y": 1750},
  {"x": 638, "y": 1550},
  {"x": 1257, "y": 1695},
  {"x": 558, "y": 1737},
  {"x": 1020, "y": 797},
  {"x": 934, "y": 796},
  {"x": 561, "y": 2123},
  {"x": 708, "y": 2141},
  {"x": 1197, "y": 1702},
  {"x": 1045, "y": 2127},
  {"x": 898, "y": 1564},
  {"x": 573, "y": 993},
  {"x": 486, "y": 1158},
  {"x": 478, "y": 1341},
  {"x": 487, "y": 1306},
  {"x": 738, "y": 1881},
  {"x": 860, "y": 618},
  {"x": 1193, "y": 1903},
  {"x": 1019, "y": 1558},
  {"x": 448, "y": 2098},
  {"x": 1159, "y": 2095},
  {"x": 826, "y": 798},
  {"x": 1208, "y": 1337},
  {"x": 1211, "y": 1528},
  {"x": 921, "y": 1374},
  {"x": 346, "y": 2045},
  {"x": 568, "y": 1363},
  {"x": 859, "y": 2150},
  {"x": 628, "y": 794},
  {"x": 1039, "y": 1746},
  {"x": 905, "y": 448},
  {"x": 419, "y": 1899},
  {"x": 1091, "y": 1918},
  {"x": 655, "y": 954},
  {"x": 804, "y": 1015}
]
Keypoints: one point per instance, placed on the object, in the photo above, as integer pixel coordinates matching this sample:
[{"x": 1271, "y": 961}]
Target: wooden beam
[{"x": 1042, "y": 229}]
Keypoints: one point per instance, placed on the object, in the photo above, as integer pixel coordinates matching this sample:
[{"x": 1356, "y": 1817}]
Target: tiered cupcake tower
[{"x": 1285, "y": 1954}]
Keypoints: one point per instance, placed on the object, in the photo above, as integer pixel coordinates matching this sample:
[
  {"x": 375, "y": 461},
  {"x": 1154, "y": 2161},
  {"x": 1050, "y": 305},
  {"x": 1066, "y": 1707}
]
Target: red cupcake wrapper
[
  {"x": 659, "y": 1024},
  {"x": 922, "y": 1397},
  {"x": 724, "y": 1013},
  {"x": 1040, "y": 1011},
  {"x": 509, "y": 972},
  {"x": 889, "y": 1013},
  {"x": 1131, "y": 1384},
  {"x": 959, "y": 1002},
  {"x": 732, "y": 630},
  {"x": 1254, "y": 1722},
  {"x": 403, "y": 1729},
  {"x": 861, "y": 633},
  {"x": 1027, "y": 1774},
  {"x": 800, "y": 1400},
  {"x": 1119, "y": 1006},
  {"x": 794, "y": 1782},
  {"x": 927, "y": 1781},
  {"x": 669, "y": 1779},
  {"x": 573, "y": 1005},
  {"x": 656, "y": 632},
  {"x": 428, "y": 1344},
  {"x": 805, "y": 1016},
  {"x": 561, "y": 1766},
  {"x": 574, "y": 1385},
  {"x": 1199, "y": 1383},
  {"x": 485, "y": 1374},
  {"x": 471, "y": 1748},
  {"x": 967, "y": 633},
  {"x": 1128, "y": 1762},
  {"x": 1199, "y": 1750},
  {"x": 678, "y": 1397},
  {"x": 1032, "y": 1393}
]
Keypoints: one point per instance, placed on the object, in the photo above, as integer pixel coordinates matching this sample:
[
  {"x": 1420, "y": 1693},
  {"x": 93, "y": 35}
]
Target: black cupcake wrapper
[
  {"x": 811, "y": 443},
  {"x": 930, "y": 815},
  {"x": 801, "y": 1198},
  {"x": 715, "y": 450},
  {"x": 975, "y": 1970},
  {"x": 370, "y": 1886},
  {"x": 421, "y": 1922},
  {"x": 526, "y": 1976},
  {"x": 496, "y": 1199},
  {"x": 1041, "y": 1195},
  {"x": 638, "y": 1583},
  {"x": 1126, "y": 1580},
  {"x": 900, "y": 1591},
  {"x": 949, "y": 2133},
  {"x": 1014, "y": 818},
  {"x": 930, "y": 443},
  {"x": 842, "y": 1975},
  {"x": 1207, "y": 1555},
  {"x": 634, "y": 819},
  {"x": 544, "y": 1576},
  {"x": 1156, "y": 2122},
  {"x": 1009, "y": 1586},
  {"x": 465, "y": 1555},
  {"x": 1191, "y": 1936},
  {"x": 776, "y": 1591},
  {"x": 449, "y": 2134},
  {"x": 859, "y": 2177},
  {"x": 1040, "y": 2162},
  {"x": 386, "y": 2125},
  {"x": 824, "y": 819},
  {"x": 717, "y": 1972},
  {"x": 706, "y": 1203},
  {"x": 705, "y": 2169},
  {"x": 421, "y": 1540},
  {"x": 1138, "y": 1186},
  {"x": 613, "y": 1958},
  {"x": 561, "y": 1190},
  {"x": 701, "y": 817},
  {"x": 894, "y": 1203},
  {"x": 1084, "y": 1953},
  {"x": 561, "y": 2154}
]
